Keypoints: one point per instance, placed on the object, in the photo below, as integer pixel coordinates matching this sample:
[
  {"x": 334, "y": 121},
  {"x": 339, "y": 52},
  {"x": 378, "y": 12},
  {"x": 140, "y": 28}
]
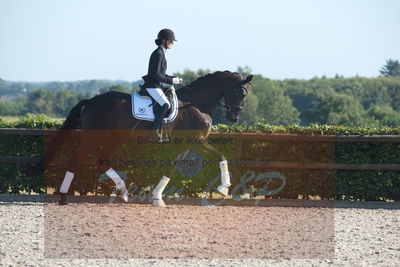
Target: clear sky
[{"x": 65, "y": 40}]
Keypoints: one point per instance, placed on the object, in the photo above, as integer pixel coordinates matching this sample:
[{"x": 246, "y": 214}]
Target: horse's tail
[
  {"x": 72, "y": 120},
  {"x": 70, "y": 123}
]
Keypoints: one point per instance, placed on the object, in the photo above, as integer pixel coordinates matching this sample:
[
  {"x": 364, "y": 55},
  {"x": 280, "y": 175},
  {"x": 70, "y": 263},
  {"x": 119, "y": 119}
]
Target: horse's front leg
[
  {"x": 157, "y": 200},
  {"x": 225, "y": 178},
  {"x": 223, "y": 165}
]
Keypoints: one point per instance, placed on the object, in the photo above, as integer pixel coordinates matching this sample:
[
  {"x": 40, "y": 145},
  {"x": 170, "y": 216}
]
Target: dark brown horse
[{"x": 112, "y": 111}]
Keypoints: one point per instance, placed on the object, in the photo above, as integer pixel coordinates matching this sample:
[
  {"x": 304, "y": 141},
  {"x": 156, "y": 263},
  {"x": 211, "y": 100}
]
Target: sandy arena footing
[{"x": 284, "y": 233}]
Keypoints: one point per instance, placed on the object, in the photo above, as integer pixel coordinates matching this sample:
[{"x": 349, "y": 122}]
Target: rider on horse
[{"x": 157, "y": 82}]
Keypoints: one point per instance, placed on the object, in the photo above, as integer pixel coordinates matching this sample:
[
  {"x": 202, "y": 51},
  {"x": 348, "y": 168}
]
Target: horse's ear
[{"x": 247, "y": 80}]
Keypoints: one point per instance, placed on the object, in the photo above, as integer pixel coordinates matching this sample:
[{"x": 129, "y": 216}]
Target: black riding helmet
[{"x": 166, "y": 34}]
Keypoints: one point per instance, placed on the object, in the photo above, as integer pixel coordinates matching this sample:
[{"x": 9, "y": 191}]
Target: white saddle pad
[{"x": 143, "y": 110}]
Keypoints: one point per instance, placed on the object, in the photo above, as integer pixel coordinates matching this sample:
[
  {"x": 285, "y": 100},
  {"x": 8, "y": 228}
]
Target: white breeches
[{"x": 158, "y": 95}]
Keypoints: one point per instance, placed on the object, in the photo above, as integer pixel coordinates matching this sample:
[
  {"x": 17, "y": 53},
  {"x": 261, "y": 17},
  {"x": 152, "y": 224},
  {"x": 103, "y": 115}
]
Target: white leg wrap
[
  {"x": 118, "y": 182},
  {"x": 225, "y": 179},
  {"x": 66, "y": 182},
  {"x": 157, "y": 192},
  {"x": 115, "y": 177}
]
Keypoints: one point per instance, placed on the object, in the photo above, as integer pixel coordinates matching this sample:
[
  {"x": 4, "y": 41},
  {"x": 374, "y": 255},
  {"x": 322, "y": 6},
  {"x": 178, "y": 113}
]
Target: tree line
[
  {"x": 52, "y": 98},
  {"x": 355, "y": 101}
]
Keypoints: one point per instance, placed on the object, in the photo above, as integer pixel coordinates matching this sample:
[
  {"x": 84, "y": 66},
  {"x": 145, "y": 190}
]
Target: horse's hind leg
[
  {"x": 88, "y": 141},
  {"x": 106, "y": 161}
]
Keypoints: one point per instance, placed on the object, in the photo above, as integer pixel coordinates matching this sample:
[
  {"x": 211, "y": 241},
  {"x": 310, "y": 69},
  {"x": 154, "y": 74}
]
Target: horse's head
[
  {"x": 207, "y": 91},
  {"x": 234, "y": 96}
]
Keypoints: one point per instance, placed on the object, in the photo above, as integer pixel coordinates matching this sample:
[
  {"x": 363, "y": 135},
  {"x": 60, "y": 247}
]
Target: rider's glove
[{"x": 177, "y": 80}]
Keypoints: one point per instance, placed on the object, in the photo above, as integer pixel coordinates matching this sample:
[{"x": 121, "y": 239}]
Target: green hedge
[
  {"x": 313, "y": 129},
  {"x": 325, "y": 184},
  {"x": 32, "y": 121}
]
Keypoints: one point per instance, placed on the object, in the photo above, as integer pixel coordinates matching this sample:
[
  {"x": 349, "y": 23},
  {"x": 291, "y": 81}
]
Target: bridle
[{"x": 236, "y": 91}]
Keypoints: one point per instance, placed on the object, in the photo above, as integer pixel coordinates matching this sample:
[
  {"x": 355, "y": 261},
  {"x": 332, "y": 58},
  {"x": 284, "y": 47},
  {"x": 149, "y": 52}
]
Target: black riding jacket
[{"x": 157, "y": 69}]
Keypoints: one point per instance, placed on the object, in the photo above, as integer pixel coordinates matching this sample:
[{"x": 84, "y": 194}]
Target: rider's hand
[{"x": 177, "y": 80}]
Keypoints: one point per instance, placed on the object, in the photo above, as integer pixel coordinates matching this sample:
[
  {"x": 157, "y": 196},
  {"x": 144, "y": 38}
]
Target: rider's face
[{"x": 169, "y": 44}]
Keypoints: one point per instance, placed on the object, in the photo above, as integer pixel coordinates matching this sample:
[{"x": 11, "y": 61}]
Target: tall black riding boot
[{"x": 155, "y": 134}]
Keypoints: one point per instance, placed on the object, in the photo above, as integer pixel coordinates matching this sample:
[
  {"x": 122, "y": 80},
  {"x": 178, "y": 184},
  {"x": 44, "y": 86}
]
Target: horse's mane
[
  {"x": 200, "y": 81},
  {"x": 207, "y": 81}
]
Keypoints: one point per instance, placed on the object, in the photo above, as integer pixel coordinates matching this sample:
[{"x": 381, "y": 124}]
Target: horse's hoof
[
  {"x": 158, "y": 203},
  {"x": 123, "y": 192},
  {"x": 125, "y": 196},
  {"x": 223, "y": 190},
  {"x": 62, "y": 202},
  {"x": 237, "y": 197}
]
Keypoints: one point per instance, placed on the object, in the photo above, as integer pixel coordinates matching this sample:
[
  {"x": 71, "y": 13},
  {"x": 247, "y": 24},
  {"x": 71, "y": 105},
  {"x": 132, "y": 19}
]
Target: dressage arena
[
  {"x": 104, "y": 231},
  {"x": 276, "y": 233}
]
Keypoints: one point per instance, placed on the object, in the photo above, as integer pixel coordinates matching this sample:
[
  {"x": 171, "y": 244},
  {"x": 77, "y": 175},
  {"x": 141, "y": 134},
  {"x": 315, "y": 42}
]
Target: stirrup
[
  {"x": 155, "y": 136},
  {"x": 164, "y": 138}
]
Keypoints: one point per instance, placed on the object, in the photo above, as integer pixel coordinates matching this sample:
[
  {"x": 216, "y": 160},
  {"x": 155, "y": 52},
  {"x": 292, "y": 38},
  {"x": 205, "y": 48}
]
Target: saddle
[
  {"x": 143, "y": 92},
  {"x": 143, "y": 106}
]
